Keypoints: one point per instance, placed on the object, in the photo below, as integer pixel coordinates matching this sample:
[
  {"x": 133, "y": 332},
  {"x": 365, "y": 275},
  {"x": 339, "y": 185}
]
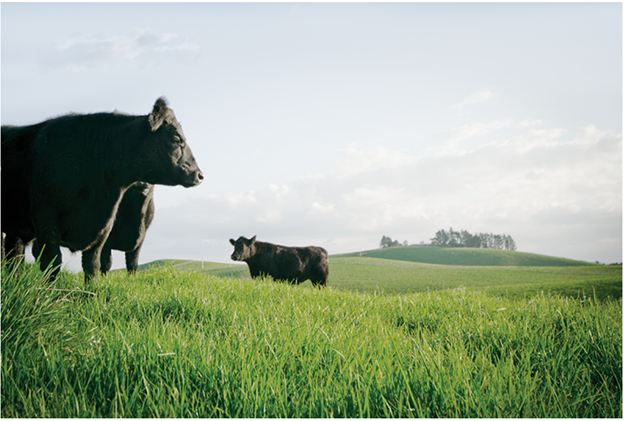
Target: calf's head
[
  {"x": 166, "y": 157},
  {"x": 243, "y": 248}
]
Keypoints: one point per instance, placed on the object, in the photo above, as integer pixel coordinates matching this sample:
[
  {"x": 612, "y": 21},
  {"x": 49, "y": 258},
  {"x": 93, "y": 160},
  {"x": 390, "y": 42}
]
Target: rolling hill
[
  {"x": 466, "y": 256},
  {"x": 422, "y": 269}
]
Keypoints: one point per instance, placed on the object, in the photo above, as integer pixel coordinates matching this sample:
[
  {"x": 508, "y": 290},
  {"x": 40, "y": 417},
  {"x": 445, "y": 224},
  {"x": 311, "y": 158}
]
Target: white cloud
[
  {"x": 355, "y": 161},
  {"x": 532, "y": 139},
  {"x": 317, "y": 208},
  {"x": 80, "y": 53},
  {"x": 279, "y": 190},
  {"x": 475, "y": 98},
  {"x": 528, "y": 123},
  {"x": 235, "y": 199},
  {"x": 478, "y": 129}
]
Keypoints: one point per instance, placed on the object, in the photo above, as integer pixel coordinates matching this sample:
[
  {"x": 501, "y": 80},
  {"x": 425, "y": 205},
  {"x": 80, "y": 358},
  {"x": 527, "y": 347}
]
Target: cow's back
[{"x": 85, "y": 149}]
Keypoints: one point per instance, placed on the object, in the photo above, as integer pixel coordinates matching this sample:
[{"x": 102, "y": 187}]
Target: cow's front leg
[
  {"x": 50, "y": 256},
  {"x": 91, "y": 262}
]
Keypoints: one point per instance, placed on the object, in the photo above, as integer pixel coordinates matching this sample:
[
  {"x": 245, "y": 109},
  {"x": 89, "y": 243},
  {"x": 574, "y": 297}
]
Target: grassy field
[
  {"x": 392, "y": 276},
  {"x": 373, "y": 274},
  {"x": 237, "y": 270},
  {"x": 170, "y": 343}
]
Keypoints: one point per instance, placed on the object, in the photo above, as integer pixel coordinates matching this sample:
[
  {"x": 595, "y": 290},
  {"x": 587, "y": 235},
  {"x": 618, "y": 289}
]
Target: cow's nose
[{"x": 199, "y": 177}]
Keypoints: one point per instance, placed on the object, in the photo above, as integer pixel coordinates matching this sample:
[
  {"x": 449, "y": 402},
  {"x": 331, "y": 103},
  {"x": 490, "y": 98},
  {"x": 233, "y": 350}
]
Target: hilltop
[{"x": 466, "y": 256}]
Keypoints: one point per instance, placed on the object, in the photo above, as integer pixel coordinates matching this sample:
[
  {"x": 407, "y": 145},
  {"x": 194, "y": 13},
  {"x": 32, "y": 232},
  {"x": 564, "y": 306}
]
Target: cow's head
[
  {"x": 243, "y": 248},
  {"x": 166, "y": 157}
]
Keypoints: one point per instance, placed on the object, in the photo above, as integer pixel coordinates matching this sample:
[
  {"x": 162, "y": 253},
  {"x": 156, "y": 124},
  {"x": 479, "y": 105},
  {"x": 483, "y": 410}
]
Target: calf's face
[
  {"x": 168, "y": 158},
  {"x": 243, "y": 248}
]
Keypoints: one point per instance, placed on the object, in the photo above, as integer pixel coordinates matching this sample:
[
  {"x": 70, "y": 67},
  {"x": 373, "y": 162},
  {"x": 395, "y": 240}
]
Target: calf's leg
[
  {"x": 91, "y": 262},
  {"x": 132, "y": 259},
  {"x": 106, "y": 260}
]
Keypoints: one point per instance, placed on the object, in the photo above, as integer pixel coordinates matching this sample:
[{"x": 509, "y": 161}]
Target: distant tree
[
  {"x": 508, "y": 243},
  {"x": 441, "y": 239},
  {"x": 469, "y": 240},
  {"x": 387, "y": 242},
  {"x": 498, "y": 242},
  {"x": 463, "y": 238},
  {"x": 454, "y": 238}
]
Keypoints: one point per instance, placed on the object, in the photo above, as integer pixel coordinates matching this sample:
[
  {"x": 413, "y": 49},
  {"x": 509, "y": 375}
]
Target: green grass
[
  {"x": 466, "y": 256},
  {"x": 393, "y": 276},
  {"x": 399, "y": 276},
  {"x": 237, "y": 270},
  {"x": 167, "y": 343}
]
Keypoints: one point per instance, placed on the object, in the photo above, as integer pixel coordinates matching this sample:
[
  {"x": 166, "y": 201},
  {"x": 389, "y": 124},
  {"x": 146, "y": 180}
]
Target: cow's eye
[{"x": 177, "y": 140}]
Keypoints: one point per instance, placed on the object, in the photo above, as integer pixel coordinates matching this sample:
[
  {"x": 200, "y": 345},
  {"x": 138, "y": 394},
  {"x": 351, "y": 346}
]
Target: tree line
[{"x": 463, "y": 238}]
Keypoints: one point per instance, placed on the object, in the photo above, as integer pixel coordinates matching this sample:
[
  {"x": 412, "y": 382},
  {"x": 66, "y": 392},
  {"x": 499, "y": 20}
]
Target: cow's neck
[{"x": 126, "y": 168}]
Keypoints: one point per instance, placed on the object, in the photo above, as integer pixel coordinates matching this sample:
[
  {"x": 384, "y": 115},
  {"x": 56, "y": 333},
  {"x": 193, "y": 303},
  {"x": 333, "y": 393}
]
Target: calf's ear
[
  {"x": 232, "y": 242},
  {"x": 159, "y": 113}
]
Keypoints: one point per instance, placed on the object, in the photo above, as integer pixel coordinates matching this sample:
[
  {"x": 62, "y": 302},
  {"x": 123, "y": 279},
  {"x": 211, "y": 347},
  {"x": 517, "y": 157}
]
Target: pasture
[
  {"x": 409, "y": 269},
  {"x": 172, "y": 343}
]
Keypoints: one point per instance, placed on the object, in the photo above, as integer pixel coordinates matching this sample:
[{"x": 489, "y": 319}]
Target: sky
[{"x": 334, "y": 124}]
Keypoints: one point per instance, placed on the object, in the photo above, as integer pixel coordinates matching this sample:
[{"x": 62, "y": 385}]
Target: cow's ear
[
  {"x": 253, "y": 239},
  {"x": 159, "y": 113},
  {"x": 232, "y": 242}
]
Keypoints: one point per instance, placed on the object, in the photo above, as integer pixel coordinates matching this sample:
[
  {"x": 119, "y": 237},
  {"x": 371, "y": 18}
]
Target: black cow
[
  {"x": 134, "y": 217},
  {"x": 63, "y": 185},
  {"x": 292, "y": 264}
]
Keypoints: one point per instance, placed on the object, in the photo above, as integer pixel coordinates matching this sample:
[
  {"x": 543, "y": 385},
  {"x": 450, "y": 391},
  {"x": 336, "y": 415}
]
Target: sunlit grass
[
  {"x": 394, "y": 276},
  {"x": 165, "y": 343}
]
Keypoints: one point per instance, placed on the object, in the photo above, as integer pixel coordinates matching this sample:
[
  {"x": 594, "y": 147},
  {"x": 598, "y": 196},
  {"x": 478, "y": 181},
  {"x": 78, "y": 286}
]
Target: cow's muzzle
[{"x": 194, "y": 179}]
